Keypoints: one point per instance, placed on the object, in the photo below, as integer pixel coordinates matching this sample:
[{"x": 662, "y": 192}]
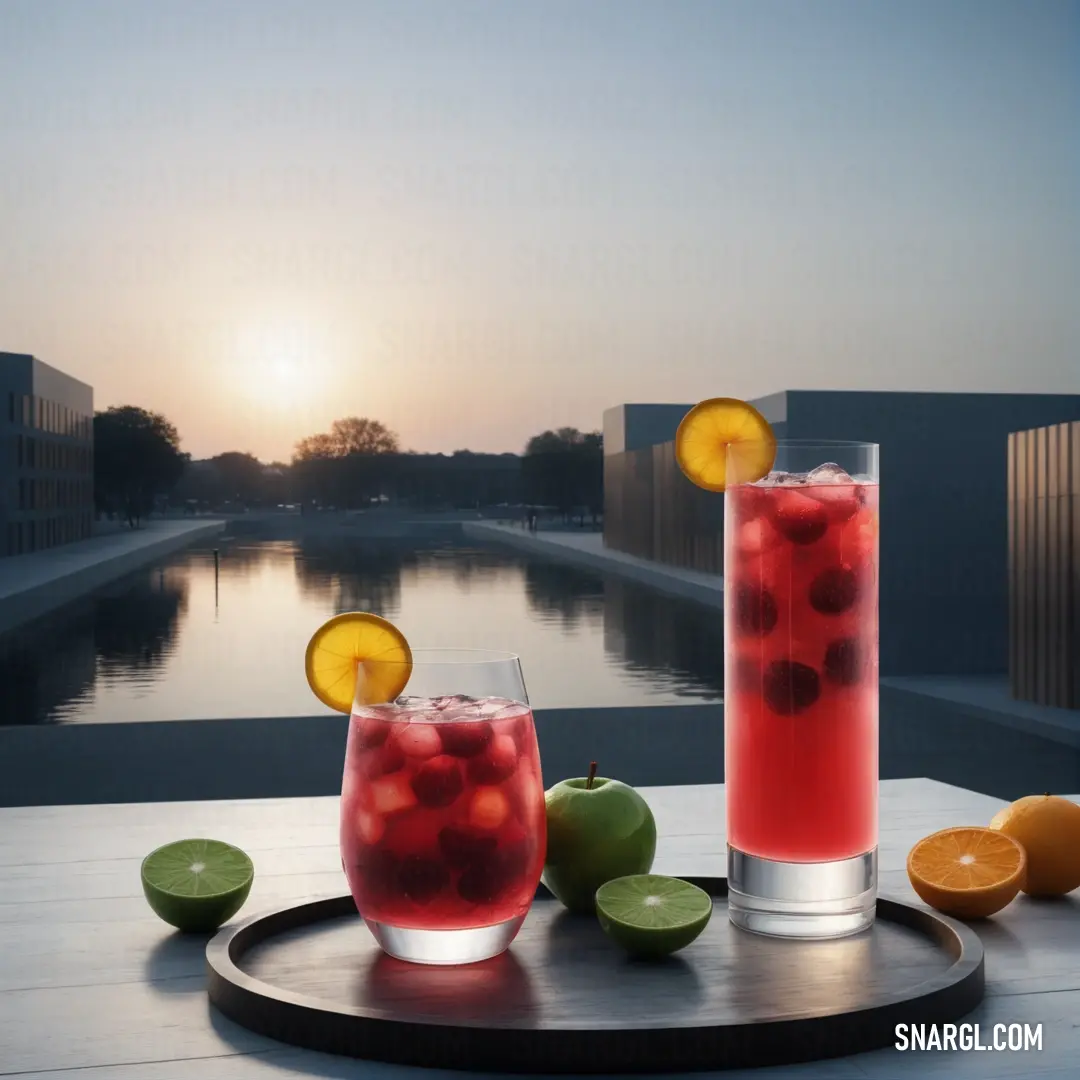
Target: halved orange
[
  {"x": 357, "y": 656},
  {"x": 969, "y": 872},
  {"x": 723, "y": 432}
]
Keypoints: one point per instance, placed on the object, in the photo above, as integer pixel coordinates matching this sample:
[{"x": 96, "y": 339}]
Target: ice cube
[
  {"x": 496, "y": 763},
  {"x": 450, "y": 701},
  {"x": 529, "y": 797},
  {"x": 458, "y": 714},
  {"x": 369, "y": 826},
  {"x": 511, "y": 712},
  {"x": 829, "y": 473},
  {"x": 387, "y": 760},
  {"x": 836, "y": 490},
  {"x": 350, "y": 784},
  {"x": 418, "y": 740},
  {"x": 392, "y": 793},
  {"x": 754, "y": 537},
  {"x": 489, "y": 707},
  {"x": 784, "y": 479},
  {"x": 488, "y": 808}
]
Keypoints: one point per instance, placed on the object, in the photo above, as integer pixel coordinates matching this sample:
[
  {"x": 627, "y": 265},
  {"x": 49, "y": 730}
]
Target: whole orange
[{"x": 1047, "y": 827}]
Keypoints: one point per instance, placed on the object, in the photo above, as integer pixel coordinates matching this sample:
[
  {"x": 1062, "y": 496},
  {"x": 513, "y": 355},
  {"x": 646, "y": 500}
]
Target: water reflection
[
  {"x": 465, "y": 566},
  {"x": 350, "y": 576},
  {"x": 570, "y": 596},
  {"x": 133, "y": 632},
  {"x": 651, "y": 632},
  {"x": 127, "y": 632}
]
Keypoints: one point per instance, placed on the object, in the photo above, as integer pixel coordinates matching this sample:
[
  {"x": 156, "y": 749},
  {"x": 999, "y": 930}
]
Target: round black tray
[{"x": 564, "y": 999}]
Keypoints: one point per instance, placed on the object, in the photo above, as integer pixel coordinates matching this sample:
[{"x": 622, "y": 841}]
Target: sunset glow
[{"x": 473, "y": 252}]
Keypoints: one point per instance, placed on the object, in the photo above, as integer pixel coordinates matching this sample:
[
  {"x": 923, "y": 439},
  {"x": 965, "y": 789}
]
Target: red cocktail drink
[
  {"x": 442, "y": 813},
  {"x": 801, "y": 699}
]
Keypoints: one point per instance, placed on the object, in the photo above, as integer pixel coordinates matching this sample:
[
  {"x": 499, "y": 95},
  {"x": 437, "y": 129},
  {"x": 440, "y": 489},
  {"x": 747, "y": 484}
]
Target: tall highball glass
[{"x": 801, "y": 691}]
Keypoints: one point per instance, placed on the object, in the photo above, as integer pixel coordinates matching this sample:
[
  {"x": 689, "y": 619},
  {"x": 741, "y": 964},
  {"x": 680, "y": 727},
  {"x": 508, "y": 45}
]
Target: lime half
[
  {"x": 196, "y": 885},
  {"x": 651, "y": 915}
]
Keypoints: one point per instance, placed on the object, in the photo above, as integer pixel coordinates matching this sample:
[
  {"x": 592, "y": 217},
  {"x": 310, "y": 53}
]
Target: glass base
[
  {"x": 802, "y": 900},
  {"x": 445, "y": 946}
]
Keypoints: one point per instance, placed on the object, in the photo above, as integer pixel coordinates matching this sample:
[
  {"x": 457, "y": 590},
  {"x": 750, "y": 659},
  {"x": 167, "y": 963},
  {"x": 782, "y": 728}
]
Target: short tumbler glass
[{"x": 443, "y": 827}]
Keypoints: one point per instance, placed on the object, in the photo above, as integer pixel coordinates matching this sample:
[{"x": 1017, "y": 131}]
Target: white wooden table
[{"x": 91, "y": 981}]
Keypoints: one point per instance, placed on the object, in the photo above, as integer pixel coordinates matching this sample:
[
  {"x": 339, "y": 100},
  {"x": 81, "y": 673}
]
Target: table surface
[{"x": 90, "y": 980}]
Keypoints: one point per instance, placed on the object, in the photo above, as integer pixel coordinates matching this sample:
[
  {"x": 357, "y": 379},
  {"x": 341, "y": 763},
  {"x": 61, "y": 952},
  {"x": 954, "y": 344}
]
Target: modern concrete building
[
  {"x": 944, "y": 507},
  {"x": 1044, "y": 565},
  {"x": 46, "y": 456}
]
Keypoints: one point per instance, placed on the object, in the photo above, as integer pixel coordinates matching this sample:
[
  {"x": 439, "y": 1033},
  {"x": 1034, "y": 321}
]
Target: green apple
[{"x": 597, "y": 830}]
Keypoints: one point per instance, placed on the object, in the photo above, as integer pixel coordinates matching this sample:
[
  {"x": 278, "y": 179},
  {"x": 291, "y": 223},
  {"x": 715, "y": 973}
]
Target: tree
[
  {"x": 564, "y": 469},
  {"x": 314, "y": 448},
  {"x": 352, "y": 461},
  {"x": 358, "y": 435},
  {"x": 240, "y": 476},
  {"x": 137, "y": 457}
]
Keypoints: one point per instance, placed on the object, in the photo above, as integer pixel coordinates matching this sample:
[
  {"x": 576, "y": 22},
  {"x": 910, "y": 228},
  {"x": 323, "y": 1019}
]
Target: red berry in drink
[
  {"x": 799, "y": 517},
  {"x": 835, "y": 590},
  {"x": 844, "y": 662},
  {"x": 484, "y": 881},
  {"x": 789, "y": 687},
  {"x": 438, "y": 782},
  {"x": 461, "y": 845},
  {"x": 466, "y": 739},
  {"x": 421, "y": 879}
]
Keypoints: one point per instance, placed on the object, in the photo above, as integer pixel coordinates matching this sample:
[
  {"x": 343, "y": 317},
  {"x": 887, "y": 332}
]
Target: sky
[{"x": 476, "y": 220}]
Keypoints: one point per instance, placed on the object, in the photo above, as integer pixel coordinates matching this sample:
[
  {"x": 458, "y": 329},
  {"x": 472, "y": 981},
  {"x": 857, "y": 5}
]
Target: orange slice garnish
[
  {"x": 724, "y": 435},
  {"x": 357, "y": 657},
  {"x": 969, "y": 872}
]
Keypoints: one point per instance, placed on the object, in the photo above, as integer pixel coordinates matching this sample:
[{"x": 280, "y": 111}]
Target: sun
[
  {"x": 279, "y": 367},
  {"x": 283, "y": 379}
]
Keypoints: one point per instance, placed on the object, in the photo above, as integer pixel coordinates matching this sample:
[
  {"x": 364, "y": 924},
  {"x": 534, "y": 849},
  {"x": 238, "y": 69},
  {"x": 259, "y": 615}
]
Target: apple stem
[{"x": 592, "y": 776}]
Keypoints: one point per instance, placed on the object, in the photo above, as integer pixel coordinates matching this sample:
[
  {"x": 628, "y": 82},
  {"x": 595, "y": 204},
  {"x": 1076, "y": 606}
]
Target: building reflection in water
[
  {"x": 466, "y": 566},
  {"x": 564, "y": 594},
  {"x": 653, "y": 633},
  {"x": 126, "y": 632},
  {"x": 134, "y": 631}
]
